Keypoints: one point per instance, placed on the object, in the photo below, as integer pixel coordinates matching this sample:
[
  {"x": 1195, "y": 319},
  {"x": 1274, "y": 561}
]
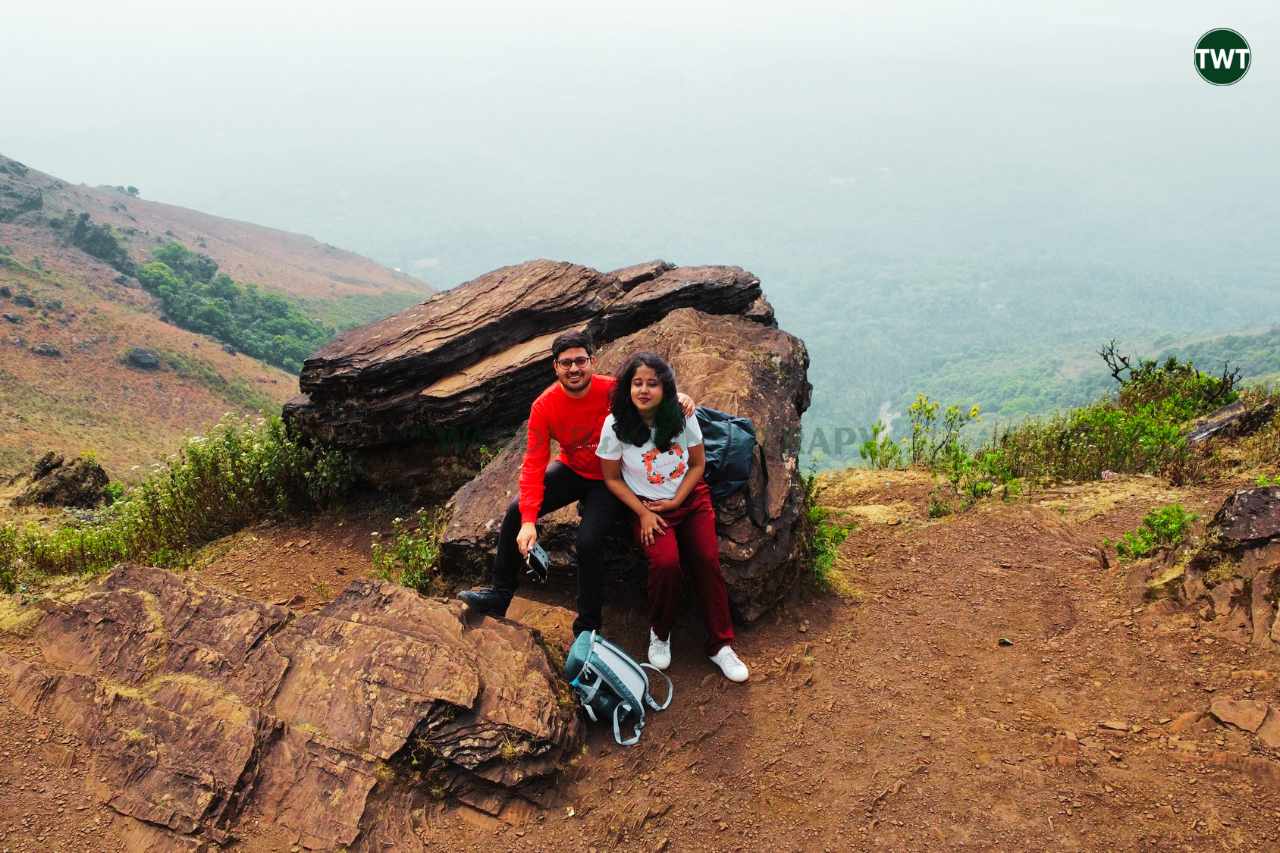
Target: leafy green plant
[
  {"x": 822, "y": 540},
  {"x": 1164, "y": 527},
  {"x": 241, "y": 472},
  {"x": 880, "y": 450},
  {"x": 412, "y": 556},
  {"x": 1265, "y": 481}
]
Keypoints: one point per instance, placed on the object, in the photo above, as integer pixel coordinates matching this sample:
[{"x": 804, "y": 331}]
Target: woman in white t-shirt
[{"x": 652, "y": 458}]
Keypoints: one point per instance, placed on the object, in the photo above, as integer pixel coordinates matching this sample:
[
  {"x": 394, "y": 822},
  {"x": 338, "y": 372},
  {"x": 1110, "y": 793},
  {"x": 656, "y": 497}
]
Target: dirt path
[{"x": 898, "y": 722}]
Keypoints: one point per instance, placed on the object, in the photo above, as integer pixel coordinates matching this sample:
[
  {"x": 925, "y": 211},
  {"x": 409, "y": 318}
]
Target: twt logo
[{"x": 1222, "y": 57}]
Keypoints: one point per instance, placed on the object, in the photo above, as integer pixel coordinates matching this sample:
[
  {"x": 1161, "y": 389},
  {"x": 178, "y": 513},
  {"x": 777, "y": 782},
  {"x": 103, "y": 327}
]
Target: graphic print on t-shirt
[{"x": 660, "y": 467}]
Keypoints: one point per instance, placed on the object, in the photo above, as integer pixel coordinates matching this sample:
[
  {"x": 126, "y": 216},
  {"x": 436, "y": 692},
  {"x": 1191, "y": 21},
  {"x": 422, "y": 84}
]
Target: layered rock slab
[
  {"x": 474, "y": 357},
  {"x": 201, "y": 708},
  {"x": 725, "y": 362}
]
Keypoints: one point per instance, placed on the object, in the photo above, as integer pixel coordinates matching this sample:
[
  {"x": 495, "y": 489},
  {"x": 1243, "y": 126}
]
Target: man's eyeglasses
[{"x": 580, "y": 361}]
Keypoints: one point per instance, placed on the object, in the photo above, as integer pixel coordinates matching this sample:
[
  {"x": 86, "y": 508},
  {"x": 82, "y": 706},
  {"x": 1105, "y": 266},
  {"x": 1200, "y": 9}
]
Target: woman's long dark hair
[{"x": 628, "y": 426}]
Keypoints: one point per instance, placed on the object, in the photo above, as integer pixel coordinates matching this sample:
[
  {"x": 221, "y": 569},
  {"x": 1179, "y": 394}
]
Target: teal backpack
[{"x": 611, "y": 685}]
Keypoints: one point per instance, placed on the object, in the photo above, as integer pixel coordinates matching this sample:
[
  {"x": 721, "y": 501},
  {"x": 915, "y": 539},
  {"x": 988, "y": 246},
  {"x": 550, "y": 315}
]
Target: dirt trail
[{"x": 896, "y": 722}]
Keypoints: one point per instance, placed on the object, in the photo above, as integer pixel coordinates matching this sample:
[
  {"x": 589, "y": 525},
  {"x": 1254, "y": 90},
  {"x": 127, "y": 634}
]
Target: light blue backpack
[{"x": 611, "y": 685}]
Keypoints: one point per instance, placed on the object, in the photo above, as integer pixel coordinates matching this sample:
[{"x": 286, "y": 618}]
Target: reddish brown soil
[{"x": 893, "y": 720}]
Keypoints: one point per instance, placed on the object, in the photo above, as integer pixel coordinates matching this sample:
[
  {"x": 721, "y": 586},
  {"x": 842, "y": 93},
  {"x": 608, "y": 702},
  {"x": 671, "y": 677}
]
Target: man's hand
[
  {"x": 686, "y": 403},
  {"x": 651, "y": 525},
  {"x": 526, "y": 538}
]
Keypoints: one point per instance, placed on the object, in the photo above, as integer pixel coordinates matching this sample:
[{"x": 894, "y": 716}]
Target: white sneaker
[
  {"x": 732, "y": 667},
  {"x": 659, "y": 651}
]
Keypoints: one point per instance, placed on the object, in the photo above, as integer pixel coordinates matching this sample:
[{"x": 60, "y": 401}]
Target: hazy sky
[{"x": 449, "y": 139}]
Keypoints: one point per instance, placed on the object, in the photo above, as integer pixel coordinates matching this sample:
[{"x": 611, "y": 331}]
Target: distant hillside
[
  {"x": 339, "y": 287},
  {"x": 72, "y": 311}
]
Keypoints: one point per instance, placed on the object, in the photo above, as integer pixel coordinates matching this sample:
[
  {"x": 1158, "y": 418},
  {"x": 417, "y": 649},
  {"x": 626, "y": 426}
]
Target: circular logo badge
[{"x": 1222, "y": 57}]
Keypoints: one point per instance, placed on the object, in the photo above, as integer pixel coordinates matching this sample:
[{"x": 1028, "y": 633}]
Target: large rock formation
[
  {"x": 728, "y": 363},
  {"x": 1233, "y": 578},
  {"x": 203, "y": 709},
  {"x": 474, "y": 357},
  {"x": 469, "y": 362}
]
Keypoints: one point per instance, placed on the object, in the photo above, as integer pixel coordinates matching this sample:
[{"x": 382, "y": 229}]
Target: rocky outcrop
[
  {"x": 1233, "y": 579},
  {"x": 203, "y": 710},
  {"x": 474, "y": 357},
  {"x": 55, "y": 482},
  {"x": 728, "y": 363},
  {"x": 143, "y": 358},
  {"x": 1232, "y": 421}
]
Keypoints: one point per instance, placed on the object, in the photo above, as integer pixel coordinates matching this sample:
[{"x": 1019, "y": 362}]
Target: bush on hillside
[
  {"x": 96, "y": 239},
  {"x": 196, "y": 296}
]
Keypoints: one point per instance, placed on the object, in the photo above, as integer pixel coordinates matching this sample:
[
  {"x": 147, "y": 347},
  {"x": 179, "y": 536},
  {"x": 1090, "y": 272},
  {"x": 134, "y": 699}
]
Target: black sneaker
[{"x": 487, "y": 600}]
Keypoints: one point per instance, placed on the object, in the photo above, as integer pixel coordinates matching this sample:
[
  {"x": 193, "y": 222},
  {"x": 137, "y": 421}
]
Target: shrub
[
  {"x": 880, "y": 450},
  {"x": 971, "y": 474},
  {"x": 97, "y": 240},
  {"x": 1082, "y": 443},
  {"x": 1165, "y": 527},
  {"x": 412, "y": 557},
  {"x": 241, "y": 472},
  {"x": 1188, "y": 392},
  {"x": 822, "y": 540}
]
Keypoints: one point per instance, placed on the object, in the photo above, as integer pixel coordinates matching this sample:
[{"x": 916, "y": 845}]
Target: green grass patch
[
  {"x": 348, "y": 312},
  {"x": 236, "y": 391}
]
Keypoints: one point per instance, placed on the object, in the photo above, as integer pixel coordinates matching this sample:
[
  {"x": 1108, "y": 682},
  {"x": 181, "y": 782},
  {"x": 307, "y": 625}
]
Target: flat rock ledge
[{"x": 203, "y": 710}]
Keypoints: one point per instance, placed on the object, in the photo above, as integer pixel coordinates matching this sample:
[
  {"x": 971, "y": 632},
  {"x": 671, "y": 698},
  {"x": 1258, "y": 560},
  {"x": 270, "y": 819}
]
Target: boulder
[
  {"x": 143, "y": 358},
  {"x": 47, "y": 350},
  {"x": 1248, "y": 517},
  {"x": 206, "y": 712},
  {"x": 473, "y": 358},
  {"x": 54, "y": 482},
  {"x": 729, "y": 363}
]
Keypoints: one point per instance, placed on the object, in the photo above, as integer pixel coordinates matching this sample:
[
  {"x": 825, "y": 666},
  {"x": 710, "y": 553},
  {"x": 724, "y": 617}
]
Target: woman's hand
[
  {"x": 651, "y": 525},
  {"x": 661, "y": 506}
]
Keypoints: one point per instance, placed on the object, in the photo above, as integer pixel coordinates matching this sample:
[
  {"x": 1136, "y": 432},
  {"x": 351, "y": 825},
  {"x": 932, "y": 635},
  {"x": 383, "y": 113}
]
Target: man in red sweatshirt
[{"x": 572, "y": 411}]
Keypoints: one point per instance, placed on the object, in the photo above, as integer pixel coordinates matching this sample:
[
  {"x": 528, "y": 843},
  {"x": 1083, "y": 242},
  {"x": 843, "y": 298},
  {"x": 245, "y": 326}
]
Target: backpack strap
[
  {"x": 671, "y": 690},
  {"x": 618, "y": 710}
]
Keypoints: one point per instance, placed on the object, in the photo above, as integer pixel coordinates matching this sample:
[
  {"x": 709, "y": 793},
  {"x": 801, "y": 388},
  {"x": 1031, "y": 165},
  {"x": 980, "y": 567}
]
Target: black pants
[{"x": 600, "y": 509}]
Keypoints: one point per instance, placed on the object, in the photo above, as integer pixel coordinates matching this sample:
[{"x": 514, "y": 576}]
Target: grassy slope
[{"x": 87, "y": 400}]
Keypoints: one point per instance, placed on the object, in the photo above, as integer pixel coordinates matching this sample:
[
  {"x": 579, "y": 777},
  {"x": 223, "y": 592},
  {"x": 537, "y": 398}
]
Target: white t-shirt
[{"x": 647, "y": 471}]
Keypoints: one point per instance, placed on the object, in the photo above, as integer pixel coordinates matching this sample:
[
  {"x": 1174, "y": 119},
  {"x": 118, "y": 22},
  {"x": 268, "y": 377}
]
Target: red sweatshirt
[{"x": 575, "y": 423}]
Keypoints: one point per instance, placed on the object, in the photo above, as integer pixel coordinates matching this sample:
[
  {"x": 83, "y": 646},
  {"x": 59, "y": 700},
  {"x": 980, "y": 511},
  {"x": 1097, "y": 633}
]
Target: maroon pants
[{"x": 690, "y": 539}]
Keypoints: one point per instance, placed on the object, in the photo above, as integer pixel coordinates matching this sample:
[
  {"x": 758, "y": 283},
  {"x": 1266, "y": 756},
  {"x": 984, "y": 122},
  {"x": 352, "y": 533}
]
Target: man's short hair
[{"x": 571, "y": 340}]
